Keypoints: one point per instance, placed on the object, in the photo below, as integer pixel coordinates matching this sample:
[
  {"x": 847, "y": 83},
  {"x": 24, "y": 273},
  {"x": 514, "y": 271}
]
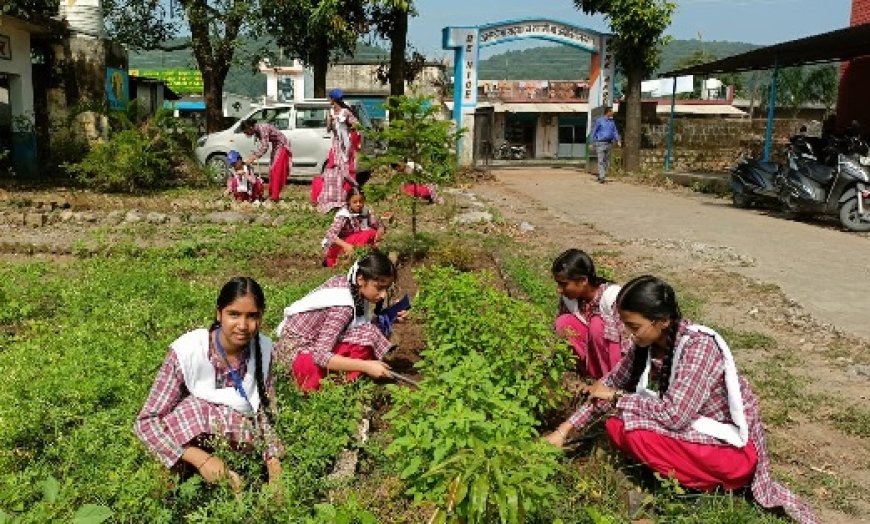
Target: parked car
[{"x": 303, "y": 123}]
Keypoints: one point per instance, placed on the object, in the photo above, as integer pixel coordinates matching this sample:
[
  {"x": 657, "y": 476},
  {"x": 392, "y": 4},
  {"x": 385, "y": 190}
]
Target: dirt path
[
  {"x": 801, "y": 313},
  {"x": 825, "y": 270}
]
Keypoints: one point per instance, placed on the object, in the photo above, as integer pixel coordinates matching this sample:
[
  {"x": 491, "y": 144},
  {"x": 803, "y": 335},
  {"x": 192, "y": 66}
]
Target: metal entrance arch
[{"x": 467, "y": 41}]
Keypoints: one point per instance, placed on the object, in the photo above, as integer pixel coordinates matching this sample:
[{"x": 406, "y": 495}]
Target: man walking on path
[{"x": 604, "y": 134}]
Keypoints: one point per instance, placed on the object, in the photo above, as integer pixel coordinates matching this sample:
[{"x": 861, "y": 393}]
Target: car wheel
[{"x": 217, "y": 166}]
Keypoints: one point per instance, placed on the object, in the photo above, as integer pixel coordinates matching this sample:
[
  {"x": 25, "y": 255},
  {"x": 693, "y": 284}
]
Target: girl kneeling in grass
[
  {"x": 702, "y": 424},
  {"x": 587, "y": 315},
  {"x": 213, "y": 383},
  {"x": 332, "y": 329},
  {"x": 354, "y": 226}
]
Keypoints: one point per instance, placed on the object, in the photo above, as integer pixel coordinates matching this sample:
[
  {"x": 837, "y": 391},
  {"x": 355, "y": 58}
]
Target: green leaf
[
  {"x": 479, "y": 496},
  {"x": 91, "y": 514},
  {"x": 5, "y": 518},
  {"x": 50, "y": 490},
  {"x": 412, "y": 467}
]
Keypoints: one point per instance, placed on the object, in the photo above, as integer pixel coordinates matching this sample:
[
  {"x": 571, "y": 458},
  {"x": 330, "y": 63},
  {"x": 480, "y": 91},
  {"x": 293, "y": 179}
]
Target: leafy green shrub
[
  {"x": 127, "y": 162},
  {"x": 466, "y": 440},
  {"x": 140, "y": 157}
]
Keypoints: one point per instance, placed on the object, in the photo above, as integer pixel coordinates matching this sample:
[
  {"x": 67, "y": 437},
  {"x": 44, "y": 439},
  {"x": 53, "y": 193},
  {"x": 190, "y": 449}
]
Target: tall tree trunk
[
  {"x": 398, "y": 48},
  {"x": 631, "y": 151},
  {"x": 213, "y": 90},
  {"x": 320, "y": 63}
]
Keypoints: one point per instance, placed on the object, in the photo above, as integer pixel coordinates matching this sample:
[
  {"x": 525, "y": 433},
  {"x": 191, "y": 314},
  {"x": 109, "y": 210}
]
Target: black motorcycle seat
[
  {"x": 770, "y": 167},
  {"x": 818, "y": 172}
]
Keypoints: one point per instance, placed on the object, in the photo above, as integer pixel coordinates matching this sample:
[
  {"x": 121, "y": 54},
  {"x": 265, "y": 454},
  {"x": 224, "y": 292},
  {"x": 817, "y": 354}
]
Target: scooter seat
[
  {"x": 770, "y": 167},
  {"x": 820, "y": 173}
]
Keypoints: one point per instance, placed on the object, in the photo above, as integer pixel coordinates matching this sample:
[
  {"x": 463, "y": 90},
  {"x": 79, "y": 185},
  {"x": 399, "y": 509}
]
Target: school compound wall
[{"x": 710, "y": 145}]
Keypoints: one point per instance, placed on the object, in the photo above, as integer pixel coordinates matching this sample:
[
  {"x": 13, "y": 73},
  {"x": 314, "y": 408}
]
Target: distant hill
[
  {"x": 537, "y": 63},
  {"x": 243, "y": 79},
  {"x": 568, "y": 63}
]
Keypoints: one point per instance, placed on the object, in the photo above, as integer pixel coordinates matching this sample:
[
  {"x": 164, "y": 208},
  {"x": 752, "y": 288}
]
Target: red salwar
[
  {"x": 703, "y": 467},
  {"x": 596, "y": 354},
  {"x": 417, "y": 190},
  {"x": 279, "y": 173},
  {"x": 358, "y": 239},
  {"x": 256, "y": 192},
  {"x": 308, "y": 374}
]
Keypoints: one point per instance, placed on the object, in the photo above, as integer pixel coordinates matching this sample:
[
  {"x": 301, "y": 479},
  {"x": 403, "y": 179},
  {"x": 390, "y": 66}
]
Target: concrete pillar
[{"x": 466, "y": 144}]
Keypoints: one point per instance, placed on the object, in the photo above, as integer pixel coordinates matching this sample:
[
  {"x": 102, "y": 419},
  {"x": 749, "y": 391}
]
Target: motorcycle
[
  {"x": 840, "y": 187},
  {"x": 508, "y": 152},
  {"x": 755, "y": 182}
]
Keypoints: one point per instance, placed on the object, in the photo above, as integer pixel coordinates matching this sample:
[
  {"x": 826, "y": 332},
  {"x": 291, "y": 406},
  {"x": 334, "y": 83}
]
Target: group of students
[
  {"x": 669, "y": 388},
  {"x": 218, "y": 382},
  {"x": 337, "y": 188}
]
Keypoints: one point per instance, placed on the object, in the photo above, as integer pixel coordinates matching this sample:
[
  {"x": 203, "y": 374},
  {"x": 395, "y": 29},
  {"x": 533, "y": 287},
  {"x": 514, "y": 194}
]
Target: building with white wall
[{"x": 16, "y": 91}]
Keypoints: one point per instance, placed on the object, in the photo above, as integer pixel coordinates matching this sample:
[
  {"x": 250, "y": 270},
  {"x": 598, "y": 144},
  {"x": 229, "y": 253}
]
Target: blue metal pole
[
  {"x": 771, "y": 110},
  {"x": 669, "y": 157}
]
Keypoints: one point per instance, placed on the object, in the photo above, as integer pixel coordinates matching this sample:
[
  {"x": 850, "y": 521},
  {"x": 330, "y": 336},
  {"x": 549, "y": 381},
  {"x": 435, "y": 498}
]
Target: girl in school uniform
[
  {"x": 700, "y": 423},
  {"x": 282, "y": 158},
  {"x": 214, "y": 383},
  {"x": 423, "y": 191},
  {"x": 243, "y": 184},
  {"x": 341, "y": 154},
  {"x": 354, "y": 226},
  {"x": 587, "y": 317},
  {"x": 332, "y": 329}
]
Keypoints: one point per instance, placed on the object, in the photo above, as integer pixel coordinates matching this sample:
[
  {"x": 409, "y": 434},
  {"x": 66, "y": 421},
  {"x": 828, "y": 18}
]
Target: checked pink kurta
[
  {"x": 697, "y": 389},
  {"x": 172, "y": 418},
  {"x": 318, "y": 332}
]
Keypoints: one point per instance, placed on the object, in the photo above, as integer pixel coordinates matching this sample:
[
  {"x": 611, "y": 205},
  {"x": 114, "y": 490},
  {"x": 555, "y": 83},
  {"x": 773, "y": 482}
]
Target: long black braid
[
  {"x": 235, "y": 288},
  {"x": 258, "y": 377},
  {"x": 654, "y": 299}
]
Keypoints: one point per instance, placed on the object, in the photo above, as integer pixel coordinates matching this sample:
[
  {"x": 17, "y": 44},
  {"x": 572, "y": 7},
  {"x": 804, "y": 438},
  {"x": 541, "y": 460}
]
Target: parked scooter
[
  {"x": 754, "y": 182},
  {"x": 840, "y": 189},
  {"x": 508, "y": 152}
]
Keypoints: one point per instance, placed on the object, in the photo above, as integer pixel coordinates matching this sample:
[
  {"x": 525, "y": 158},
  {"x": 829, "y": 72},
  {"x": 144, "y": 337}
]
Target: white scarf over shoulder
[
  {"x": 191, "y": 350},
  {"x": 328, "y": 297},
  {"x": 606, "y": 305},
  {"x": 736, "y": 434}
]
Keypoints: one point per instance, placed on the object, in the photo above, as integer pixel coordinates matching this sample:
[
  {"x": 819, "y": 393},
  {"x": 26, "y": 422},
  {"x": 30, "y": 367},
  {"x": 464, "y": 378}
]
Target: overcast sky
[{"x": 754, "y": 21}]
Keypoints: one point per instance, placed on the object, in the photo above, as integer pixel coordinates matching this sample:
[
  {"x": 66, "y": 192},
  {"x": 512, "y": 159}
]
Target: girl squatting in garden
[
  {"x": 214, "y": 382},
  {"x": 702, "y": 424},
  {"x": 587, "y": 315},
  {"x": 354, "y": 225},
  {"x": 332, "y": 329}
]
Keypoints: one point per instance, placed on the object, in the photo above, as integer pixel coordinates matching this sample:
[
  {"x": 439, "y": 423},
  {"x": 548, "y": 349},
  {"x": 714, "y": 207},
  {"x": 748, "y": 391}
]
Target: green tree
[
  {"x": 823, "y": 84},
  {"x": 316, "y": 31},
  {"x": 798, "y": 86},
  {"x": 416, "y": 134},
  {"x": 639, "y": 26},
  {"x": 215, "y": 27},
  {"x": 29, "y": 9},
  {"x": 390, "y": 20}
]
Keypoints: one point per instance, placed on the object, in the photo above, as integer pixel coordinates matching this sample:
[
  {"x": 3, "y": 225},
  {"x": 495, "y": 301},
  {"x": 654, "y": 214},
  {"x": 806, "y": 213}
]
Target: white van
[{"x": 303, "y": 123}]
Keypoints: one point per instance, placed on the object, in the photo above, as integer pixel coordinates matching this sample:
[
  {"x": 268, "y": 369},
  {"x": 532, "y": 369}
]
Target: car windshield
[{"x": 310, "y": 117}]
